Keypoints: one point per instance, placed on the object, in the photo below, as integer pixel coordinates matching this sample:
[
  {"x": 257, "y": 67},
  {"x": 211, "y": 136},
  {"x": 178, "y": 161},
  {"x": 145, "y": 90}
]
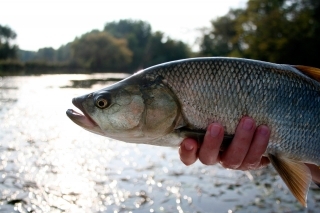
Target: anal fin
[{"x": 295, "y": 174}]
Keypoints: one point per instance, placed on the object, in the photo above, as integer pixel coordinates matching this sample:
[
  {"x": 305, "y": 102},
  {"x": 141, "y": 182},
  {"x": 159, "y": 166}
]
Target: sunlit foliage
[
  {"x": 148, "y": 48},
  {"x": 99, "y": 50},
  {"x": 163, "y": 49},
  {"x": 137, "y": 34},
  {"x": 282, "y": 31}
]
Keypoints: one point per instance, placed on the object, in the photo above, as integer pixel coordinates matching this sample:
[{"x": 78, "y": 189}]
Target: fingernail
[
  {"x": 215, "y": 130},
  {"x": 263, "y": 130},
  {"x": 188, "y": 146},
  {"x": 247, "y": 124}
]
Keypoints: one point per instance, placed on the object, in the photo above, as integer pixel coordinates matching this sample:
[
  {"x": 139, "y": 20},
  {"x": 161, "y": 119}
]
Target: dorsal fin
[{"x": 312, "y": 72}]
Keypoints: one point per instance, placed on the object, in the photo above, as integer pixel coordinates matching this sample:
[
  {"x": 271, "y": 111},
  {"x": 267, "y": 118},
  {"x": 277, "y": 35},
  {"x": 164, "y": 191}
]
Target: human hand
[{"x": 244, "y": 153}]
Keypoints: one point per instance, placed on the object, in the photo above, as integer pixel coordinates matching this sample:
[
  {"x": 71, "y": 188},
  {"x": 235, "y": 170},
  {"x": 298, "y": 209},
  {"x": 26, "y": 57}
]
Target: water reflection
[
  {"x": 88, "y": 83},
  {"x": 48, "y": 164},
  {"x": 95, "y": 80}
]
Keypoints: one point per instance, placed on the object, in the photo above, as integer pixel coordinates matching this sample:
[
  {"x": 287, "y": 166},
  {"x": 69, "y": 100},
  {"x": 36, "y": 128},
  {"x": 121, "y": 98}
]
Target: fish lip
[
  {"x": 84, "y": 119},
  {"x": 77, "y": 103}
]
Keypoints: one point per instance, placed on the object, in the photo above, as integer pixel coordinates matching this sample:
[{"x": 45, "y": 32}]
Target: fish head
[{"x": 130, "y": 111}]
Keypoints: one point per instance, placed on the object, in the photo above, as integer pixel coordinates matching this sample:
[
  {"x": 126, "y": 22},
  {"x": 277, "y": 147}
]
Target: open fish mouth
[{"x": 82, "y": 119}]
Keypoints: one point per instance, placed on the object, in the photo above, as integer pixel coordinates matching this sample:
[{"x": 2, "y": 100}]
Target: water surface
[{"x": 49, "y": 164}]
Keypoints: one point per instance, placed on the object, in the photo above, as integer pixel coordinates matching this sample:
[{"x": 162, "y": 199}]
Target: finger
[
  {"x": 236, "y": 152},
  {"x": 209, "y": 150},
  {"x": 188, "y": 151},
  {"x": 257, "y": 149}
]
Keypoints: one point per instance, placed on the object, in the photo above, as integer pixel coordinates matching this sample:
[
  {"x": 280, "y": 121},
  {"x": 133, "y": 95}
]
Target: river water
[{"x": 49, "y": 164}]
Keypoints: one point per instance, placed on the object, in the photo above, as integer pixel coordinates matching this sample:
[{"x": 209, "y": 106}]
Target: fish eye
[
  {"x": 102, "y": 99},
  {"x": 102, "y": 103}
]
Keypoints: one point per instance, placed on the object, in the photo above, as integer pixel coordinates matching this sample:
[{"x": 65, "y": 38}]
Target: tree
[
  {"x": 148, "y": 48},
  {"x": 7, "y": 50},
  {"x": 281, "y": 31},
  {"x": 25, "y": 55},
  {"x": 101, "y": 51},
  {"x": 47, "y": 54},
  {"x": 137, "y": 34},
  {"x": 63, "y": 54},
  {"x": 163, "y": 49},
  {"x": 221, "y": 39}
]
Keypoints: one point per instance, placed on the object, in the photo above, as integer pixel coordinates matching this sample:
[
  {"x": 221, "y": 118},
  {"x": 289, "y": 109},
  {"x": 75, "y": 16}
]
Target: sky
[{"x": 52, "y": 23}]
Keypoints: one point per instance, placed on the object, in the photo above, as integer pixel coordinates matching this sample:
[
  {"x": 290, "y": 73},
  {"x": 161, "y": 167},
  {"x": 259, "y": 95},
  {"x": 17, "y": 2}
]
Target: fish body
[{"x": 163, "y": 104}]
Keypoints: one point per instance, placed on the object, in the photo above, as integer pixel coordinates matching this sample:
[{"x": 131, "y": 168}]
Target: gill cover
[{"x": 134, "y": 111}]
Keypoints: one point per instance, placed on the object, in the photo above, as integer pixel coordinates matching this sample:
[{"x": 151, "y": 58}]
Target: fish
[{"x": 163, "y": 104}]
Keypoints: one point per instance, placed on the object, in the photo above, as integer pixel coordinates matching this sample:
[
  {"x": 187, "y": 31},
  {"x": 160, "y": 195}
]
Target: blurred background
[
  {"x": 126, "y": 36},
  {"x": 52, "y": 51}
]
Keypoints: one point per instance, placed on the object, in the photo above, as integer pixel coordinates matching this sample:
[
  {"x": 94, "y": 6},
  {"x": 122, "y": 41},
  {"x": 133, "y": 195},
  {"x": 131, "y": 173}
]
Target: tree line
[
  {"x": 280, "y": 31},
  {"x": 125, "y": 46}
]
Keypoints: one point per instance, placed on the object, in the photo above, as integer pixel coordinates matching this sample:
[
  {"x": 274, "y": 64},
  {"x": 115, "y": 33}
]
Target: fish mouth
[{"x": 81, "y": 119}]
